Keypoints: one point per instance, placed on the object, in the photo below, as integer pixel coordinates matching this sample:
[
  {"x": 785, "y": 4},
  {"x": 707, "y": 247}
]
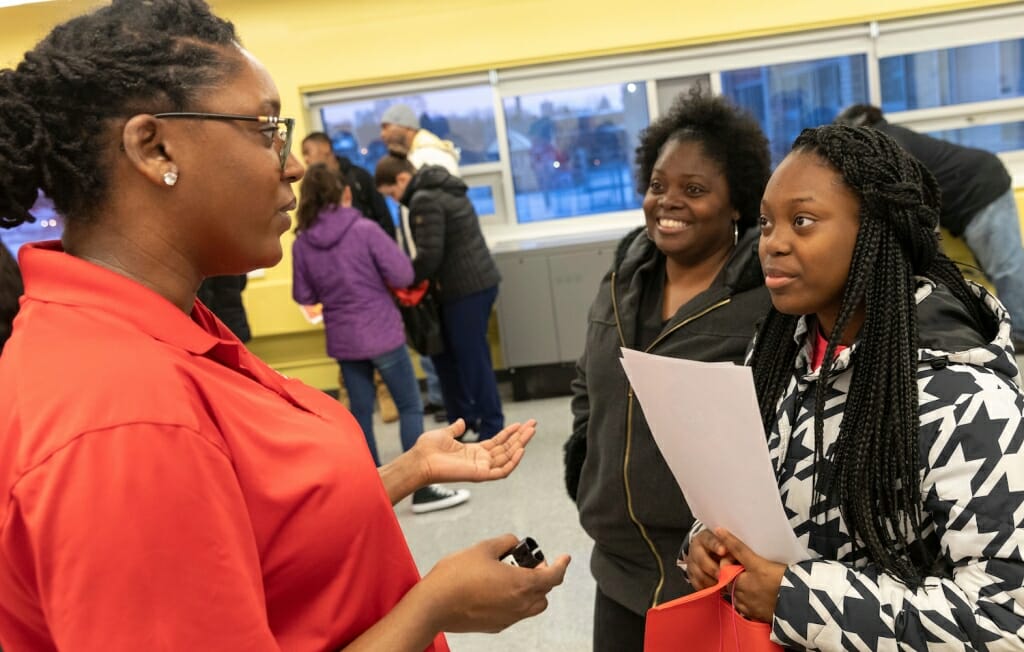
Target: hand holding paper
[{"x": 705, "y": 420}]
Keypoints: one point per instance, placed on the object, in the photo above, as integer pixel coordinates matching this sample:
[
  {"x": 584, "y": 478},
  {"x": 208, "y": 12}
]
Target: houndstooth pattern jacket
[{"x": 972, "y": 484}]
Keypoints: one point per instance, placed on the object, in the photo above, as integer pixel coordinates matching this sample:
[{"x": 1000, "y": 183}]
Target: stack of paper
[{"x": 705, "y": 420}]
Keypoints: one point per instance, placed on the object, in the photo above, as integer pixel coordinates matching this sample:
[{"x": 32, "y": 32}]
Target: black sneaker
[
  {"x": 431, "y": 408},
  {"x": 437, "y": 496}
]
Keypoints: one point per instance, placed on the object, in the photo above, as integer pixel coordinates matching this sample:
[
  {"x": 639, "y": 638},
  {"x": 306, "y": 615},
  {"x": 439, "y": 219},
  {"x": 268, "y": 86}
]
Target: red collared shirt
[{"x": 162, "y": 488}]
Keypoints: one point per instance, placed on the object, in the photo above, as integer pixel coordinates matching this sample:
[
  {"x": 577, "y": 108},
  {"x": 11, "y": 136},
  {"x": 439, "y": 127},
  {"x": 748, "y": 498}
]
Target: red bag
[
  {"x": 410, "y": 296},
  {"x": 705, "y": 622}
]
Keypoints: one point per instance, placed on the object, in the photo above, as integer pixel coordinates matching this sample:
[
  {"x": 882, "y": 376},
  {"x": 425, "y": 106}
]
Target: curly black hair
[
  {"x": 875, "y": 475},
  {"x": 88, "y": 75},
  {"x": 730, "y": 136}
]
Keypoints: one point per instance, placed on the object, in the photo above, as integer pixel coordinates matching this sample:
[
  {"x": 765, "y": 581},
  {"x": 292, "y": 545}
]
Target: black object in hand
[{"x": 526, "y": 553}]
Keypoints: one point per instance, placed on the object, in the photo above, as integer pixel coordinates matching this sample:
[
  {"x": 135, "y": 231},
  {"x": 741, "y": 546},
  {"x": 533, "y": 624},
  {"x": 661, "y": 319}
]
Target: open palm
[{"x": 445, "y": 459}]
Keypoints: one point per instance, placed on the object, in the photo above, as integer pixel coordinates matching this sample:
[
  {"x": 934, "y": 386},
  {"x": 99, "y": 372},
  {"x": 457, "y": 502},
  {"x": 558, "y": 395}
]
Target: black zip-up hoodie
[{"x": 629, "y": 503}]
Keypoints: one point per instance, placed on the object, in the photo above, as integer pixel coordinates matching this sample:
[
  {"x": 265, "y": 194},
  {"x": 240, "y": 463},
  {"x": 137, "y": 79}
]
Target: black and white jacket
[{"x": 972, "y": 484}]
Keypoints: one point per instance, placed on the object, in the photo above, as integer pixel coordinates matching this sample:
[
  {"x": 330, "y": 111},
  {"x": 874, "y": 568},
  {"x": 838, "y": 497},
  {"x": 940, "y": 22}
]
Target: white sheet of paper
[{"x": 705, "y": 420}]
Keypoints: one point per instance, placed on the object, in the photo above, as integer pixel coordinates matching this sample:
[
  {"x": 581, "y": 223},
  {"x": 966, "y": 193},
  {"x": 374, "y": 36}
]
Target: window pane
[
  {"x": 973, "y": 73},
  {"x": 572, "y": 151},
  {"x": 483, "y": 200},
  {"x": 670, "y": 89},
  {"x": 788, "y": 98},
  {"x": 48, "y": 226},
  {"x": 995, "y": 138},
  {"x": 464, "y": 116}
]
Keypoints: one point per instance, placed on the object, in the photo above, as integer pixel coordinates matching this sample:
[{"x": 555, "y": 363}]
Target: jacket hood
[
  {"x": 946, "y": 333},
  {"x": 331, "y": 227},
  {"x": 428, "y": 140},
  {"x": 434, "y": 177},
  {"x": 741, "y": 272}
]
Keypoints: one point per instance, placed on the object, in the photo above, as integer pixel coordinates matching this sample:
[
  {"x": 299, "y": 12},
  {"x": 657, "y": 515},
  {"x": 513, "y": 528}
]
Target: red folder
[{"x": 705, "y": 622}]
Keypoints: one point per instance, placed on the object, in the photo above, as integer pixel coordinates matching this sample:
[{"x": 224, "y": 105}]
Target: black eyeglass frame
[{"x": 289, "y": 124}]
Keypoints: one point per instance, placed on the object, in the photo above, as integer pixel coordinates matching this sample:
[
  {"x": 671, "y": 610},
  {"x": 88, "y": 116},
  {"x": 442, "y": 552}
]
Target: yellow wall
[{"x": 316, "y": 44}]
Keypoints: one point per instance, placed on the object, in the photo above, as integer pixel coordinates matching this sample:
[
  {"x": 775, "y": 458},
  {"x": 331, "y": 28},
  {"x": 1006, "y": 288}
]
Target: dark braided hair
[
  {"x": 875, "y": 474},
  {"x": 87, "y": 76},
  {"x": 729, "y": 136}
]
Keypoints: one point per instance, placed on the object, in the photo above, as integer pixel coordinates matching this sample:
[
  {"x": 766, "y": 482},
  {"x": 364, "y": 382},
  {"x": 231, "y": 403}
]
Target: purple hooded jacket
[{"x": 347, "y": 262}]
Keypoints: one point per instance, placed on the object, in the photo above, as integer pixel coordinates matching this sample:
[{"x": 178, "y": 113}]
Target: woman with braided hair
[
  {"x": 886, "y": 384},
  {"x": 161, "y": 488}
]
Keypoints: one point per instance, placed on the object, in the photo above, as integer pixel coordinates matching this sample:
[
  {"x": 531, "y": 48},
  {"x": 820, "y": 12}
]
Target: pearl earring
[{"x": 171, "y": 177}]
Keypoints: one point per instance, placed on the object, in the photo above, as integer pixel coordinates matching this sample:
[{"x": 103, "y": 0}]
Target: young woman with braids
[
  {"x": 886, "y": 385},
  {"x": 160, "y": 487},
  {"x": 686, "y": 285}
]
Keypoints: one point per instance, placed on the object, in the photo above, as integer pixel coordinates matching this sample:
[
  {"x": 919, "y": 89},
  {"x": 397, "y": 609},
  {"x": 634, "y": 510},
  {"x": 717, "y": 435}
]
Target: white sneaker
[{"x": 437, "y": 496}]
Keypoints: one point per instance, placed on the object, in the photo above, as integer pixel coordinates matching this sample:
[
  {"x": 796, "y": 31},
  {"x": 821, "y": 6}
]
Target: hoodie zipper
[{"x": 629, "y": 431}]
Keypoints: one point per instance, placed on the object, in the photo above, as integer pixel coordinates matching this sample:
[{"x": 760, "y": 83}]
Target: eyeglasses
[{"x": 283, "y": 127}]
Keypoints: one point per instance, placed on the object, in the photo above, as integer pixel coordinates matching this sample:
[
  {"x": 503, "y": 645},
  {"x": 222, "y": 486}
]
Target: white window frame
[{"x": 875, "y": 39}]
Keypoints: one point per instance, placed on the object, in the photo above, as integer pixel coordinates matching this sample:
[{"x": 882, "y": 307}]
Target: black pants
[
  {"x": 464, "y": 367},
  {"x": 616, "y": 629}
]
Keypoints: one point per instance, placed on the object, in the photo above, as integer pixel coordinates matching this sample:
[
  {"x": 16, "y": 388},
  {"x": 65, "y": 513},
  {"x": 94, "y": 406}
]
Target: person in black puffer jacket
[
  {"x": 451, "y": 253},
  {"x": 687, "y": 285}
]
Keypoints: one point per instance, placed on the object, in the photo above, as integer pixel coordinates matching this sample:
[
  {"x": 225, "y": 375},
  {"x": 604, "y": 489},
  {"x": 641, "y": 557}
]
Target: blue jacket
[{"x": 347, "y": 263}]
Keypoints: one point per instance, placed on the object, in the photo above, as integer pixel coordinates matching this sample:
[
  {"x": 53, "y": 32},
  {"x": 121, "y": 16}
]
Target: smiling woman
[
  {"x": 686, "y": 285},
  {"x": 163, "y": 487}
]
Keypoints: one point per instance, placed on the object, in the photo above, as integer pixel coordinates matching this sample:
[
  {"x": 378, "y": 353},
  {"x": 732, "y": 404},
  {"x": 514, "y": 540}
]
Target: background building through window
[
  {"x": 572, "y": 151},
  {"x": 788, "y": 98}
]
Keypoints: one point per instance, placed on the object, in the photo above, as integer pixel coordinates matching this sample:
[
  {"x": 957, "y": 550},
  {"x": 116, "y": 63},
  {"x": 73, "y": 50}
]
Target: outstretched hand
[{"x": 445, "y": 459}]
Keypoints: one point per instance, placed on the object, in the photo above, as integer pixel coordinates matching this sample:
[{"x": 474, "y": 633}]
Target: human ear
[{"x": 148, "y": 151}]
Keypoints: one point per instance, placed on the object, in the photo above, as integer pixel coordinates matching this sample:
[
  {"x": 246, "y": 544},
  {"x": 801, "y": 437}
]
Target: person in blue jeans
[
  {"x": 452, "y": 254},
  {"x": 348, "y": 264}
]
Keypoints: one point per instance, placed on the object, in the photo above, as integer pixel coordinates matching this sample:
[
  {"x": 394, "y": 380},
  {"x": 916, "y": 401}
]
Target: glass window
[
  {"x": 973, "y": 73},
  {"x": 788, "y": 98},
  {"x": 482, "y": 198},
  {"x": 572, "y": 151},
  {"x": 995, "y": 138},
  {"x": 48, "y": 226},
  {"x": 670, "y": 89},
  {"x": 464, "y": 116}
]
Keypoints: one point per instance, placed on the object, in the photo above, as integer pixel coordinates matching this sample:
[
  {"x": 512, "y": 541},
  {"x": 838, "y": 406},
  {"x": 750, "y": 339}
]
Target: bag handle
[{"x": 726, "y": 575}]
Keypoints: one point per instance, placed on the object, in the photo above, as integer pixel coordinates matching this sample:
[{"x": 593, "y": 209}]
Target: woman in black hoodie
[{"x": 687, "y": 285}]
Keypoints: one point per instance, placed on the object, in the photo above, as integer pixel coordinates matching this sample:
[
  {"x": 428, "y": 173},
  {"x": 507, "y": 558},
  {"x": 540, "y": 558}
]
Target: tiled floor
[{"x": 530, "y": 502}]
